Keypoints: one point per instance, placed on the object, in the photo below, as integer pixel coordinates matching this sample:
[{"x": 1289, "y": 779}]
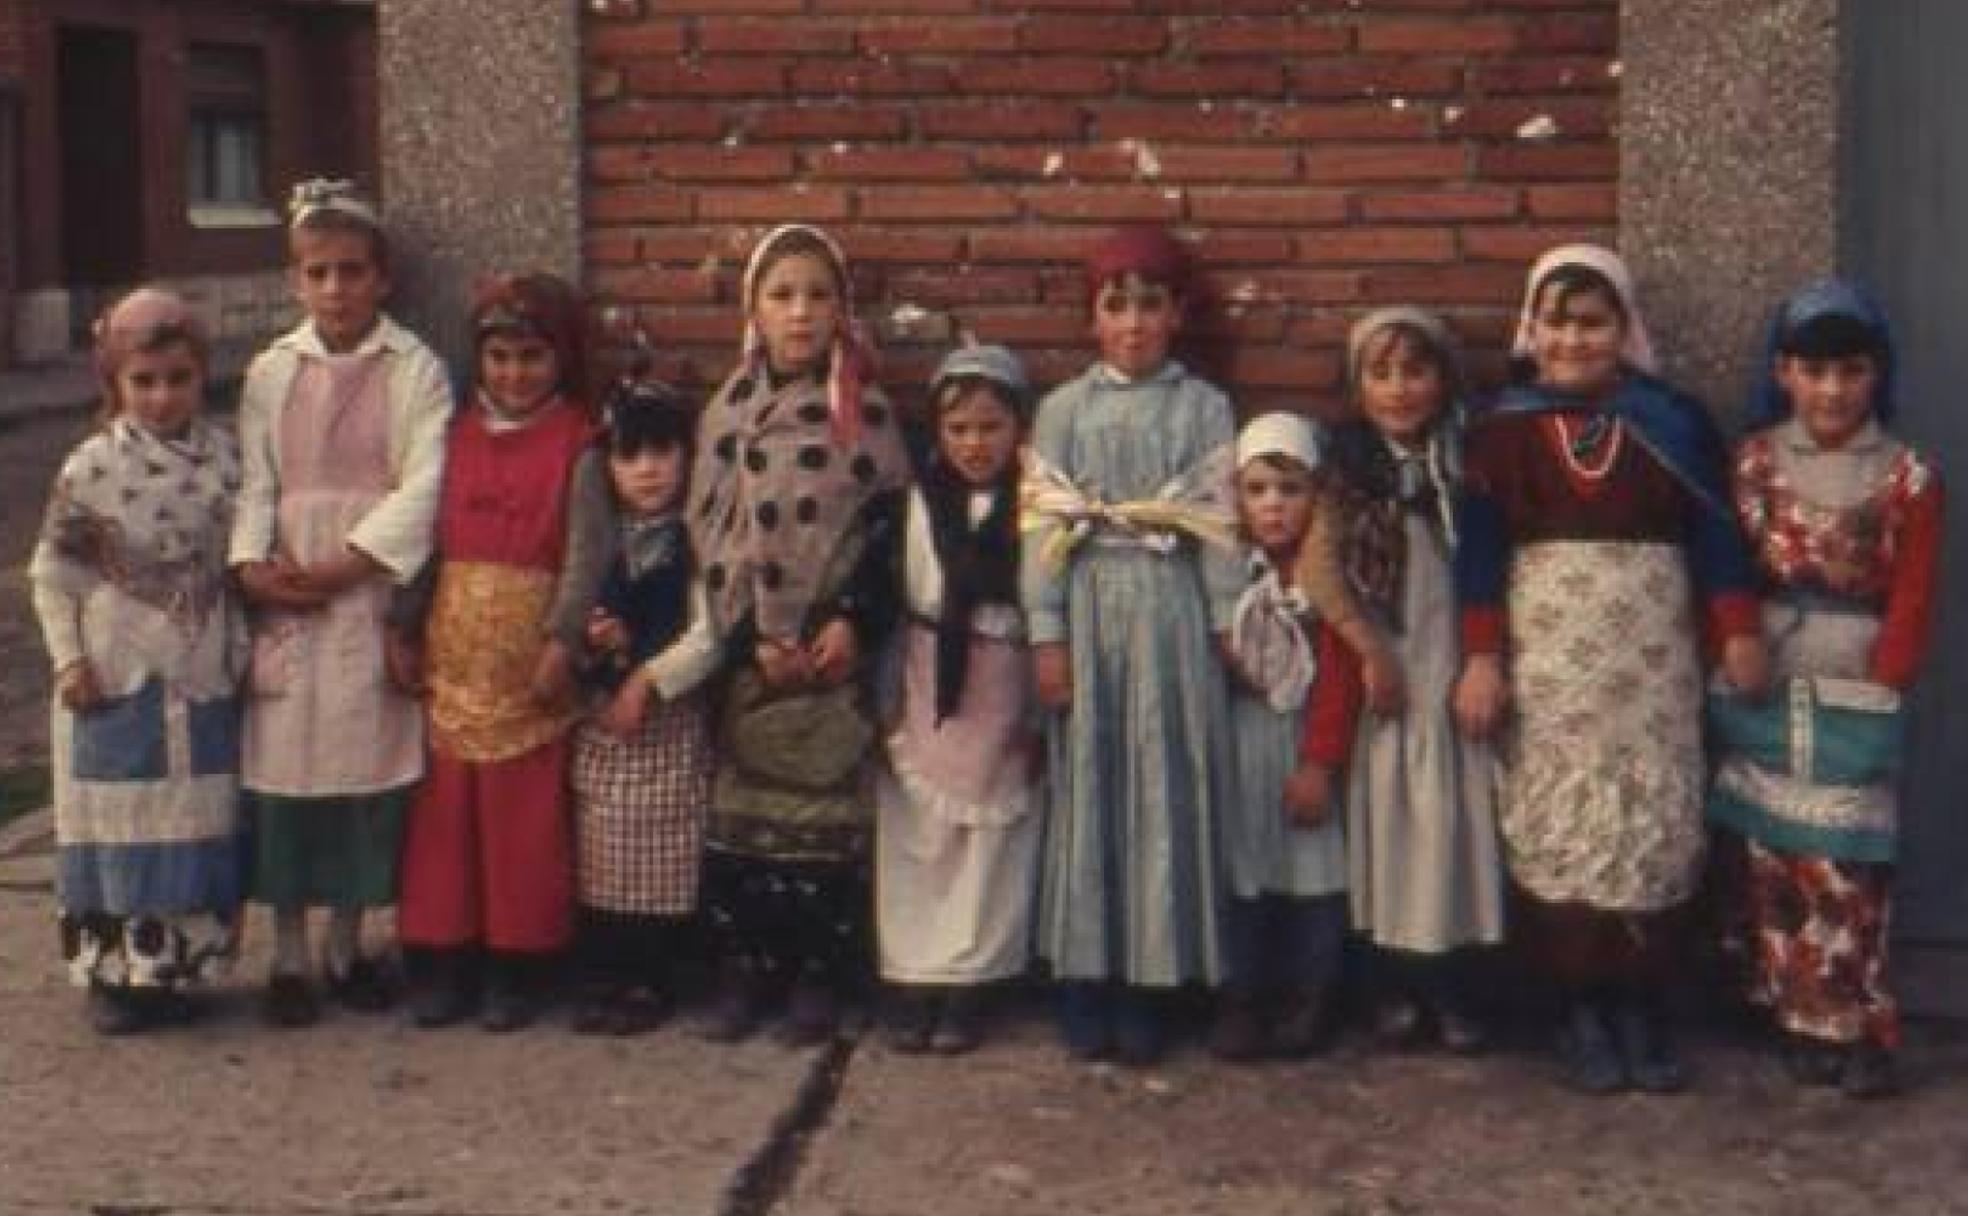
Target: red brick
[
  {"x": 999, "y": 120},
  {"x": 1164, "y": 78},
  {"x": 618, "y": 163},
  {"x": 610, "y": 247},
  {"x": 1501, "y": 119},
  {"x": 655, "y": 285},
  {"x": 1294, "y": 287},
  {"x": 1360, "y": 243},
  {"x": 1271, "y": 367},
  {"x": 1059, "y": 77},
  {"x": 609, "y": 204},
  {"x": 1189, "y": 163},
  {"x": 1520, "y": 245},
  {"x": 938, "y": 203},
  {"x": 692, "y": 327},
  {"x": 1454, "y": 283},
  {"x": 965, "y": 284},
  {"x": 1288, "y": 208},
  {"x": 1266, "y": 37},
  {"x": 870, "y": 78},
  {"x": 1105, "y": 204},
  {"x": 1047, "y": 244},
  {"x": 1350, "y": 120},
  {"x": 632, "y": 39},
  {"x": 598, "y": 11},
  {"x": 1242, "y": 323},
  {"x": 676, "y": 243},
  {"x": 647, "y": 120},
  {"x": 601, "y": 84},
  {"x": 1544, "y": 74},
  {"x": 1592, "y": 32},
  {"x": 1384, "y": 162},
  {"x": 771, "y": 36},
  {"x": 1018, "y": 326},
  {"x": 1171, "y": 120},
  {"x": 1547, "y": 162},
  {"x": 725, "y": 7},
  {"x": 1228, "y": 247},
  {"x": 772, "y": 206},
  {"x": 712, "y": 78},
  {"x": 719, "y": 163},
  {"x": 1587, "y": 201},
  {"x": 1319, "y": 329},
  {"x": 826, "y": 120},
  {"x": 890, "y": 164},
  {"x": 899, "y": 8},
  {"x": 1356, "y": 76},
  {"x": 1106, "y": 162},
  {"x": 940, "y": 246},
  {"x": 944, "y": 36},
  {"x": 1476, "y": 204},
  {"x": 1089, "y": 6},
  {"x": 1107, "y": 36},
  {"x": 1439, "y": 36}
]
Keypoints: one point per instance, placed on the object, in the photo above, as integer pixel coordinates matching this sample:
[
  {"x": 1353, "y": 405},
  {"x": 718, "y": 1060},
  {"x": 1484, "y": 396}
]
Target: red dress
[{"x": 488, "y": 854}]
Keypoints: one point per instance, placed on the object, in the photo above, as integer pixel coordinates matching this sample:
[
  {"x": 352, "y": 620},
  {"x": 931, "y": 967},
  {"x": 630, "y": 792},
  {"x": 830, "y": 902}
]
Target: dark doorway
[{"x": 101, "y": 164}]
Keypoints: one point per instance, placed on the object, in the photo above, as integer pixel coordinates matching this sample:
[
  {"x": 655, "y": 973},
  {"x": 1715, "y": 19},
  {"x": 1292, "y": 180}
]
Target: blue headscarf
[{"x": 1768, "y": 403}]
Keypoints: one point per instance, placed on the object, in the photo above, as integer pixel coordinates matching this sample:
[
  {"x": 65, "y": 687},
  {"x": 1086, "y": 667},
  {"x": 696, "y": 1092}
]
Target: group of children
[{"x": 1102, "y": 682}]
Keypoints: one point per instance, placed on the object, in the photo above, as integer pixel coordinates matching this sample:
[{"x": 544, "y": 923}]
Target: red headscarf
[
  {"x": 1146, "y": 250},
  {"x": 543, "y": 306}
]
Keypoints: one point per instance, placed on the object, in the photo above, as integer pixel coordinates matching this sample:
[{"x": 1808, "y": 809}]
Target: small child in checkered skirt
[{"x": 642, "y": 762}]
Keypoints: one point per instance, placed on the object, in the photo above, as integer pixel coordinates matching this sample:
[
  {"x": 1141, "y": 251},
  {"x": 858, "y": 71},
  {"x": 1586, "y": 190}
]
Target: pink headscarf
[
  {"x": 852, "y": 361},
  {"x": 137, "y": 320},
  {"x": 1638, "y": 351}
]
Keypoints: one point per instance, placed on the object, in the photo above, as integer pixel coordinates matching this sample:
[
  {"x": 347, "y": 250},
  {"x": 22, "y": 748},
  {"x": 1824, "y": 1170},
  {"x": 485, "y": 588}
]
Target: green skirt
[{"x": 336, "y": 852}]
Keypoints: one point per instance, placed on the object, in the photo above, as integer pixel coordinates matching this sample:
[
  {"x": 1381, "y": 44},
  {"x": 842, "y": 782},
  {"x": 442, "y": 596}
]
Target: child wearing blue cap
[
  {"x": 957, "y": 825},
  {"x": 1844, "y": 520}
]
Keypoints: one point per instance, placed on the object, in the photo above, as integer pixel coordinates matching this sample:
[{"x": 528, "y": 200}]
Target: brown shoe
[
  {"x": 289, "y": 1002},
  {"x": 1237, "y": 1037}
]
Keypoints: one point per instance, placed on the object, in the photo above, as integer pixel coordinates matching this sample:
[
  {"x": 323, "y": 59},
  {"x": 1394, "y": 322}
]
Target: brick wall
[
  {"x": 13, "y": 41},
  {"x": 1324, "y": 156}
]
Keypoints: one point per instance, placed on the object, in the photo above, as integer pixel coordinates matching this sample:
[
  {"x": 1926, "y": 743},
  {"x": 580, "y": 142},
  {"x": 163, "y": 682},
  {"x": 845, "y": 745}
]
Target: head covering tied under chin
[
  {"x": 1279, "y": 434},
  {"x": 139, "y": 320},
  {"x": 1637, "y": 350},
  {"x": 850, "y": 360},
  {"x": 1769, "y": 404}
]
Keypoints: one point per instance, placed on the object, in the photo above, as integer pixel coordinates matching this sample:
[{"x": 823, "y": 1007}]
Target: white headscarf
[
  {"x": 1265, "y": 634},
  {"x": 1279, "y": 434},
  {"x": 1638, "y": 351}
]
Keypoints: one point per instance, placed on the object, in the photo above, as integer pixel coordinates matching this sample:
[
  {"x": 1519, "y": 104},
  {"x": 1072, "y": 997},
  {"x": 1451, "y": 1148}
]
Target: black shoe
[
  {"x": 510, "y": 1002},
  {"x": 960, "y": 1030},
  {"x": 735, "y": 1013},
  {"x": 366, "y": 987},
  {"x": 1592, "y": 1062},
  {"x": 289, "y": 1002},
  {"x": 1870, "y": 1073},
  {"x": 911, "y": 1019},
  {"x": 1398, "y": 1025},
  {"x": 1304, "y": 1024},
  {"x": 1085, "y": 1020},
  {"x": 1461, "y": 1034},
  {"x": 444, "y": 994},
  {"x": 640, "y": 1009},
  {"x": 594, "y": 1012},
  {"x": 813, "y": 1015},
  {"x": 1812, "y": 1062},
  {"x": 1237, "y": 1036},
  {"x": 114, "y": 1010},
  {"x": 1652, "y": 1064},
  {"x": 1138, "y": 1038}
]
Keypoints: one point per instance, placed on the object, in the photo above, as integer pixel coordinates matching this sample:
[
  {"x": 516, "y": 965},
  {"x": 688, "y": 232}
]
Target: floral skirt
[
  {"x": 1817, "y": 931},
  {"x": 148, "y": 951}
]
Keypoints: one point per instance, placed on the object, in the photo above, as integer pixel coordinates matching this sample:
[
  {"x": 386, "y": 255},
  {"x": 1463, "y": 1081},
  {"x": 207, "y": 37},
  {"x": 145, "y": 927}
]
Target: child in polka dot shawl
[{"x": 793, "y": 509}]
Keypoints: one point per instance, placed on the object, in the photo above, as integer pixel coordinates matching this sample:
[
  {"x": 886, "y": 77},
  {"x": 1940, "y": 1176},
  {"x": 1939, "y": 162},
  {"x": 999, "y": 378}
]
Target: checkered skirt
[{"x": 640, "y": 811}]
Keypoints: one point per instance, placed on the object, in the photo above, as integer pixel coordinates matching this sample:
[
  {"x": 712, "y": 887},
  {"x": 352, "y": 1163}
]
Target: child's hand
[
  {"x": 336, "y": 575},
  {"x": 78, "y": 687},
  {"x": 1746, "y": 664},
  {"x": 627, "y": 708},
  {"x": 1386, "y": 687},
  {"x": 781, "y": 665},
  {"x": 279, "y": 583},
  {"x": 404, "y": 660},
  {"x": 606, "y": 632},
  {"x": 1308, "y": 794},
  {"x": 831, "y": 654},
  {"x": 1052, "y": 675},
  {"x": 1481, "y": 695},
  {"x": 552, "y": 674}
]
